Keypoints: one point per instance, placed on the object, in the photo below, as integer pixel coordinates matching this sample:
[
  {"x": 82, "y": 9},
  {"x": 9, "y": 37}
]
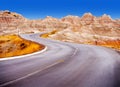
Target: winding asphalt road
[{"x": 62, "y": 65}]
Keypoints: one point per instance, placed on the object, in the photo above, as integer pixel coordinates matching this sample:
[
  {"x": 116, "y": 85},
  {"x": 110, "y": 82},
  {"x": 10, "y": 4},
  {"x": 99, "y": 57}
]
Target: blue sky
[{"x": 34, "y": 9}]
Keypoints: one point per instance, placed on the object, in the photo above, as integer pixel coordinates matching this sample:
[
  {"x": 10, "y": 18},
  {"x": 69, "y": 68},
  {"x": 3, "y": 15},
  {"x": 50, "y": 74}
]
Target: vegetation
[
  {"x": 46, "y": 35},
  {"x": 115, "y": 44},
  {"x": 13, "y": 45}
]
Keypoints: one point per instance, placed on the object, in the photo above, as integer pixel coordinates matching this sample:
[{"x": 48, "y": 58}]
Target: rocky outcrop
[
  {"x": 87, "y": 19},
  {"x": 50, "y": 23},
  {"x": 9, "y": 21},
  {"x": 85, "y": 24},
  {"x": 85, "y": 29}
]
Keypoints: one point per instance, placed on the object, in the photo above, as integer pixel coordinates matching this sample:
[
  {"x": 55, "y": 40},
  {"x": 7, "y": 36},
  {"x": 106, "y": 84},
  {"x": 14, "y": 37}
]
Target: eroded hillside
[
  {"x": 13, "y": 45},
  {"x": 87, "y": 29}
]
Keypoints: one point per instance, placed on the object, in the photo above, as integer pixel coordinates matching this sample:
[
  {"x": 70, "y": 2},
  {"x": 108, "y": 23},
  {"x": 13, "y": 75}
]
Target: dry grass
[
  {"x": 13, "y": 45},
  {"x": 115, "y": 44},
  {"x": 46, "y": 35}
]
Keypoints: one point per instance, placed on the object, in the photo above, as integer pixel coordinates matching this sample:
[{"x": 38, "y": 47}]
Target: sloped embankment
[
  {"x": 13, "y": 45},
  {"x": 111, "y": 43}
]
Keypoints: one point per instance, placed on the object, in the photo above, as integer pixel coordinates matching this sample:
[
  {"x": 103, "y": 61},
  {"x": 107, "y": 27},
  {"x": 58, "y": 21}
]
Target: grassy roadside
[
  {"x": 13, "y": 45},
  {"x": 115, "y": 44}
]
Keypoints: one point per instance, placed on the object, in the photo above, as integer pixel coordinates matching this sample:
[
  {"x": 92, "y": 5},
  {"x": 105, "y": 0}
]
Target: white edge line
[{"x": 26, "y": 55}]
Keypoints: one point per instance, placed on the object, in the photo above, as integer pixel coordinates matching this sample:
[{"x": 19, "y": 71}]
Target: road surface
[{"x": 62, "y": 65}]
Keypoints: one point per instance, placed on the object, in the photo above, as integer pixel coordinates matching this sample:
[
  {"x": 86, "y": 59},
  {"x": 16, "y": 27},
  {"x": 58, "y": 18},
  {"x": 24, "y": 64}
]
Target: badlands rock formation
[
  {"x": 9, "y": 22},
  {"x": 87, "y": 29}
]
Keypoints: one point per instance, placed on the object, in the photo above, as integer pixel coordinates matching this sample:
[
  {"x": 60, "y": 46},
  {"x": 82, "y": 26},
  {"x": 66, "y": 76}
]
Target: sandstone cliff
[
  {"x": 87, "y": 29},
  {"x": 9, "y": 21}
]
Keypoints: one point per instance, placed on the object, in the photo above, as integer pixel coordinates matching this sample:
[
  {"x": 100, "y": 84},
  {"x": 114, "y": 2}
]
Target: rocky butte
[{"x": 87, "y": 29}]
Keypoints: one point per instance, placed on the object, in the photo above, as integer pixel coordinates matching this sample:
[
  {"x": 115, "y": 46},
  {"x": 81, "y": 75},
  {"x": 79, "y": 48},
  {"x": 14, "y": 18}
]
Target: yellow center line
[{"x": 31, "y": 74}]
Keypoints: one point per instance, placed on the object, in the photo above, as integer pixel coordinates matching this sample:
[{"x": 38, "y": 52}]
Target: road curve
[{"x": 63, "y": 65}]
